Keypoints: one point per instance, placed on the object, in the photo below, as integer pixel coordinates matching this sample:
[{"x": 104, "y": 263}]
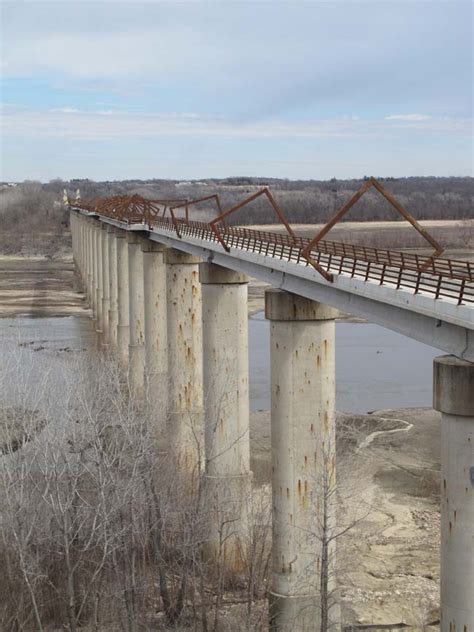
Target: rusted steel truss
[
  {"x": 280, "y": 214},
  {"x": 345, "y": 208},
  {"x": 440, "y": 277},
  {"x": 187, "y": 204}
]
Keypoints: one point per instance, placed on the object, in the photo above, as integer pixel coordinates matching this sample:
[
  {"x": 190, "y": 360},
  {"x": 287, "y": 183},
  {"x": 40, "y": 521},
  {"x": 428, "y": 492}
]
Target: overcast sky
[{"x": 114, "y": 90}]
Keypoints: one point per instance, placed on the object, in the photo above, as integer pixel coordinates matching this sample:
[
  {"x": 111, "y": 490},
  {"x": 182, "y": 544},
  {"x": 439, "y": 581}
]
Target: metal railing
[
  {"x": 383, "y": 267},
  {"x": 434, "y": 276}
]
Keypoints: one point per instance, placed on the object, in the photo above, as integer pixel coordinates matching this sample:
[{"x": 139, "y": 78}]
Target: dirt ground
[
  {"x": 389, "y": 562},
  {"x": 39, "y": 286},
  {"x": 31, "y": 243}
]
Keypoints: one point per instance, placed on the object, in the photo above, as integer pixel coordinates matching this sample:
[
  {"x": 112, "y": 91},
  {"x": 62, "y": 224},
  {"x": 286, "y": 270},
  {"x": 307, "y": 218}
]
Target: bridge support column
[
  {"x": 136, "y": 348},
  {"x": 302, "y": 339},
  {"x": 226, "y": 413},
  {"x": 105, "y": 283},
  {"x": 82, "y": 220},
  {"x": 98, "y": 276},
  {"x": 113, "y": 288},
  {"x": 123, "y": 309},
  {"x": 80, "y": 245},
  {"x": 156, "y": 339},
  {"x": 73, "y": 229},
  {"x": 185, "y": 403},
  {"x": 453, "y": 396},
  {"x": 78, "y": 240},
  {"x": 90, "y": 264}
]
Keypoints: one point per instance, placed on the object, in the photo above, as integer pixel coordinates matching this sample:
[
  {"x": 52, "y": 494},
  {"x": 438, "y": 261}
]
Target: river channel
[{"x": 376, "y": 368}]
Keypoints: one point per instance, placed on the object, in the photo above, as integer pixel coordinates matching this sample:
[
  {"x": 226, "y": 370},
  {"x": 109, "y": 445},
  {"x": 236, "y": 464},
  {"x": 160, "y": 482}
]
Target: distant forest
[
  {"x": 306, "y": 201},
  {"x": 303, "y": 201}
]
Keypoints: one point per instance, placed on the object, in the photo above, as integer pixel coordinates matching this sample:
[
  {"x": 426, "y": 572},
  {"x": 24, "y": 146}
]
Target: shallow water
[
  {"x": 376, "y": 368},
  {"x": 38, "y": 356}
]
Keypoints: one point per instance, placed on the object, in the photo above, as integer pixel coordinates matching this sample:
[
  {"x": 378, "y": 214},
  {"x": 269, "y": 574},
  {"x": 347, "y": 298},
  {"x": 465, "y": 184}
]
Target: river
[{"x": 376, "y": 368}]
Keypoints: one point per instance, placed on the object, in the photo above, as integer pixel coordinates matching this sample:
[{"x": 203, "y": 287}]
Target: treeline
[
  {"x": 33, "y": 220},
  {"x": 304, "y": 201}
]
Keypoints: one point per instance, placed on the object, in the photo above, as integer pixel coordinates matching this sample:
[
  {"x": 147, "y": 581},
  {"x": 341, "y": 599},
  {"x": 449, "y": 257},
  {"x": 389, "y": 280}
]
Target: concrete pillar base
[
  {"x": 113, "y": 318},
  {"x": 98, "y": 313},
  {"x": 293, "y": 613},
  {"x": 228, "y": 501},
  {"x": 123, "y": 336},
  {"x": 156, "y": 402},
  {"x": 105, "y": 322},
  {"x": 453, "y": 395},
  {"x": 136, "y": 371},
  {"x": 185, "y": 442}
]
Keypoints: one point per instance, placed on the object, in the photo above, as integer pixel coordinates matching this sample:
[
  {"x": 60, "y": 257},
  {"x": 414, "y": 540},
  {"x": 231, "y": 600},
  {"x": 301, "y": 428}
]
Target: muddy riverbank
[
  {"x": 39, "y": 286},
  {"x": 390, "y": 566}
]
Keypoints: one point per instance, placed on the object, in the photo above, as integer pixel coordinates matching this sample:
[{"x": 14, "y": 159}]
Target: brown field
[{"x": 457, "y": 236}]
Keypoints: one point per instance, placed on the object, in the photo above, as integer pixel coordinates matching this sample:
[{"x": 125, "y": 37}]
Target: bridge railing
[
  {"x": 449, "y": 267},
  {"x": 451, "y": 280},
  {"x": 452, "y": 268}
]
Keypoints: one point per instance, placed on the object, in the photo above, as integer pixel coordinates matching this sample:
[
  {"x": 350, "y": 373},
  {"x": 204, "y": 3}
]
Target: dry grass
[{"x": 452, "y": 234}]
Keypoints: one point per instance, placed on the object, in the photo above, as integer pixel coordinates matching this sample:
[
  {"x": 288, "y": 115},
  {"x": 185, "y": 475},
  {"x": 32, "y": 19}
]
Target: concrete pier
[
  {"x": 105, "y": 284},
  {"x": 226, "y": 413},
  {"x": 123, "y": 309},
  {"x": 81, "y": 244},
  {"x": 86, "y": 255},
  {"x": 94, "y": 229},
  {"x": 113, "y": 287},
  {"x": 302, "y": 342},
  {"x": 453, "y": 396},
  {"x": 136, "y": 347},
  {"x": 90, "y": 265},
  {"x": 75, "y": 239},
  {"x": 185, "y": 403},
  {"x": 98, "y": 277},
  {"x": 79, "y": 239},
  {"x": 156, "y": 339},
  {"x": 73, "y": 224}
]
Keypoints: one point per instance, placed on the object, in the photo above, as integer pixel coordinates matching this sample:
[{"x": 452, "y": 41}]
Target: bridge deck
[{"x": 431, "y": 300}]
